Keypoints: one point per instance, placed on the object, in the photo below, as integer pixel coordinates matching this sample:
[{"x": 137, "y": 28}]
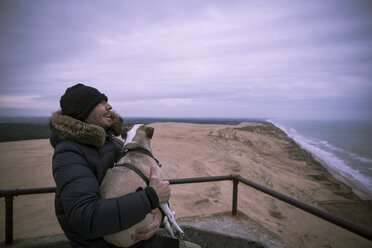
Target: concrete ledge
[
  {"x": 209, "y": 231},
  {"x": 55, "y": 241},
  {"x": 224, "y": 230}
]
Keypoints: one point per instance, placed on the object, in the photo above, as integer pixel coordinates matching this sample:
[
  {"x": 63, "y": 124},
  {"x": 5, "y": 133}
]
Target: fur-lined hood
[{"x": 65, "y": 127}]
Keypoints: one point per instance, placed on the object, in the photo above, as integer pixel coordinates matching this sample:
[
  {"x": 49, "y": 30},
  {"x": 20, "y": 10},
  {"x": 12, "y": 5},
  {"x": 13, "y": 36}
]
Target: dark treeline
[
  {"x": 23, "y": 131},
  {"x": 26, "y": 128}
]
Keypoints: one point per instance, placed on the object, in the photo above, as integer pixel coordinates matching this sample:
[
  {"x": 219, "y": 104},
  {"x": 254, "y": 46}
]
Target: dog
[{"x": 124, "y": 178}]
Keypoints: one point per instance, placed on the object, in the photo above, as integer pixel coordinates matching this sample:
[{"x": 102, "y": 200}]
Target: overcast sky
[{"x": 232, "y": 59}]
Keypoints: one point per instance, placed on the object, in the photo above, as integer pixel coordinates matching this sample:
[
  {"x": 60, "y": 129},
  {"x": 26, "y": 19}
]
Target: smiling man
[
  {"x": 100, "y": 115},
  {"x": 83, "y": 137}
]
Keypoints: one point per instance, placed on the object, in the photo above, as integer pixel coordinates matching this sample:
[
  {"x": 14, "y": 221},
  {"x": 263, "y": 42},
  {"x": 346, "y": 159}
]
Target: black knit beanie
[{"x": 79, "y": 100}]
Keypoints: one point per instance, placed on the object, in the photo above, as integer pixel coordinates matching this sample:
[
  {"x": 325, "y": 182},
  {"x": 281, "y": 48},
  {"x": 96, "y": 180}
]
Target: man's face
[{"x": 100, "y": 115}]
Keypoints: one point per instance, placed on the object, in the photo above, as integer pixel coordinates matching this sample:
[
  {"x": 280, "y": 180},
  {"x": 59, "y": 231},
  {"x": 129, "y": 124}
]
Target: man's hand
[
  {"x": 161, "y": 187},
  {"x": 146, "y": 232}
]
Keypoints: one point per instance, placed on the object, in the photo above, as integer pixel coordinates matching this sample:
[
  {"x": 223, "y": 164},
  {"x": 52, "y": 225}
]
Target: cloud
[
  {"x": 25, "y": 104},
  {"x": 190, "y": 55}
]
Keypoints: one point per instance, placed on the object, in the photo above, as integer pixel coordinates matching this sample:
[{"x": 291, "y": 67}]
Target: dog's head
[{"x": 138, "y": 135}]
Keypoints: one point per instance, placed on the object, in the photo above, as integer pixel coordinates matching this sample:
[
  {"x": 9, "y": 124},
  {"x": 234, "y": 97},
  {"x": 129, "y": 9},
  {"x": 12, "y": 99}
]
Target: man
[{"x": 83, "y": 136}]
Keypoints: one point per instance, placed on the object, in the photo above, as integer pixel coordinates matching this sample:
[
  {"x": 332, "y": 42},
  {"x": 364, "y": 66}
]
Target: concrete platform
[
  {"x": 209, "y": 231},
  {"x": 224, "y": 230}
]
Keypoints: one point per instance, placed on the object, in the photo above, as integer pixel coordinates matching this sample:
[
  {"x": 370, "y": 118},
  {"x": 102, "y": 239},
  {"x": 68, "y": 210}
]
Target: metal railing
[{"x": 9, "y": 195}]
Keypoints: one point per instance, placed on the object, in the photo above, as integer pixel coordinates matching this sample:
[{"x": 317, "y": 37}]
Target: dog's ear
[
  {"x": 124, "y": 132},
  {"x": 149, "y": 131}
]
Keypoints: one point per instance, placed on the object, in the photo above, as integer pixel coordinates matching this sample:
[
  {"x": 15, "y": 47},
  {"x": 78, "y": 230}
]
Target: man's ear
[
  {"x": 124, "y": 132},
  {"x": 149, "y": 131}
]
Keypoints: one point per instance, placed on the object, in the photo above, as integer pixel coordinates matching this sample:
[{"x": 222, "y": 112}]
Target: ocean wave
[
  {"x": 343, "y": 151},
  {"x": 327, "y": 152}
]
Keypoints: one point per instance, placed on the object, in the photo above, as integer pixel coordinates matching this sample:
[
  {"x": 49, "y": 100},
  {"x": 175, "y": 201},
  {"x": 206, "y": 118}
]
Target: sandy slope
[{"x": 255, "y": 151}]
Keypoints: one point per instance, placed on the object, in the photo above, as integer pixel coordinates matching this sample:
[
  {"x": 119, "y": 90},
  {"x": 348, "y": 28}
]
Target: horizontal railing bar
[
  {"x": 200, "y": 179},
  {"x": 27, "y": 191},
  {"x": 310, "y": 209}
]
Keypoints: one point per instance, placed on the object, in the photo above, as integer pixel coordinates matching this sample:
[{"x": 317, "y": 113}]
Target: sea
[{"x": 343, "y": 146}]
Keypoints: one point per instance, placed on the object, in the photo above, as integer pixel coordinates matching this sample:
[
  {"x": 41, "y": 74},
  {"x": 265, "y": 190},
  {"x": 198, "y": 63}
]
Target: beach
[{"x": 257, "y": 151}]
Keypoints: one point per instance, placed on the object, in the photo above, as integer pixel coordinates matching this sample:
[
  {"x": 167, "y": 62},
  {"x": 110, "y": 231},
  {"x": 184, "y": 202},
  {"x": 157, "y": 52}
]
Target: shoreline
[
  {"x": 254, "y": 150},
  {"x": 358, "y": 187}
]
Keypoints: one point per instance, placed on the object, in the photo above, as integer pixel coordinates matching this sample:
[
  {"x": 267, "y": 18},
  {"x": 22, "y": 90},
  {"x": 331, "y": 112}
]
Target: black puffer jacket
[{"x": 82, "y": 154}]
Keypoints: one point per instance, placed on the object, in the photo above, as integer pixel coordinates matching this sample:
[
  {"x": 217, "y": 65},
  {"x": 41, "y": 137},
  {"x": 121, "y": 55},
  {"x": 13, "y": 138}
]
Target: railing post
[
  {"x": 9, "y": 219},
  {"x": 235, "y": 195}
]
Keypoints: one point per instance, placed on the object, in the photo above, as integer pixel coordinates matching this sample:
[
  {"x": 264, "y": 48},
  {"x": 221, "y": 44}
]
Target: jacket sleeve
[{"x": 79, "y": 192}]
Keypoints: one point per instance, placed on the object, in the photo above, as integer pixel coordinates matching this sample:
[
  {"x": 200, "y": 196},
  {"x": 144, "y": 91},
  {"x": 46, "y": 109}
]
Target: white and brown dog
[{"x": 131, "y": 172}]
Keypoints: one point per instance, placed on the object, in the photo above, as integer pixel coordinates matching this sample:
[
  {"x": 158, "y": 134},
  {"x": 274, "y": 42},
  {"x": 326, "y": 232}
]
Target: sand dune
[{"x": 256, "y": 151}]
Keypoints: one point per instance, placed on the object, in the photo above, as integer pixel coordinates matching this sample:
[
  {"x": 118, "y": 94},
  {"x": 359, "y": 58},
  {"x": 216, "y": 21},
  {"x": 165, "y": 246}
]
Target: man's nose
[{"x": 108, "y": 106}]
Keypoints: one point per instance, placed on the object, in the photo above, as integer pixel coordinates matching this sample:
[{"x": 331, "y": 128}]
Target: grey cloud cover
[{"x": 242, "y": 59}]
